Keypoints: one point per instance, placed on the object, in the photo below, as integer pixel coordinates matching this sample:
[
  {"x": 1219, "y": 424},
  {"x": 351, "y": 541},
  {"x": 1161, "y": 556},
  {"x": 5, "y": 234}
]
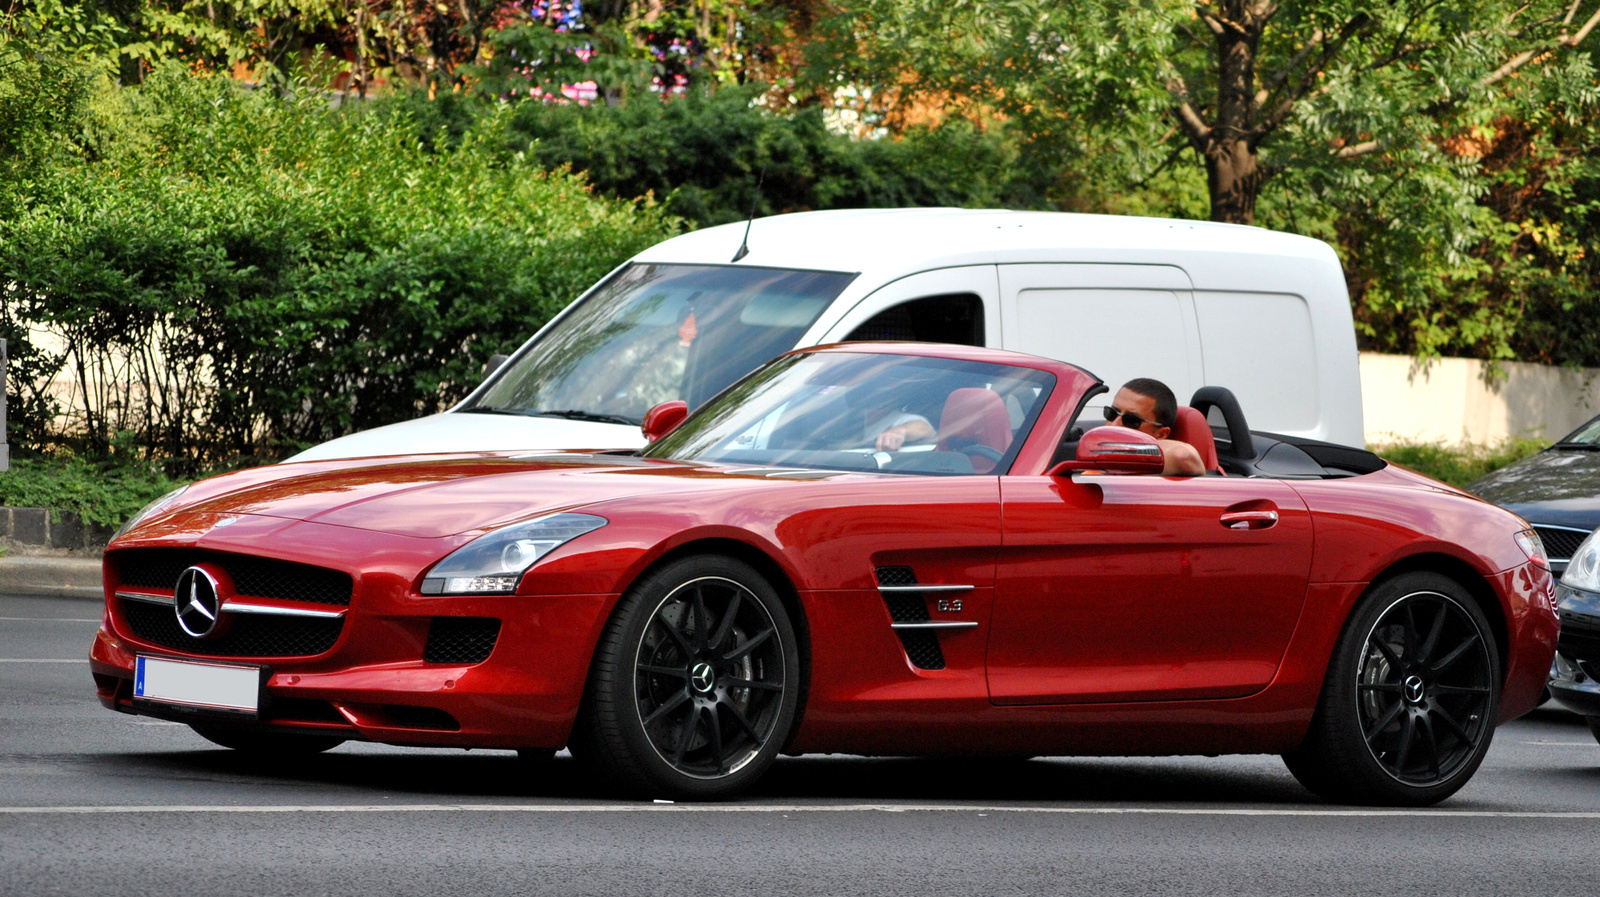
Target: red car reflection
[{"x": 763, "y": 579}]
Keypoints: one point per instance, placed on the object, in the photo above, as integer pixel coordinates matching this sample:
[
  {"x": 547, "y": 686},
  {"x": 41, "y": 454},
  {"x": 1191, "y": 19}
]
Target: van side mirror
[
  {"x": 664, "y": 418},
  {"x": 493, "y": 364},
  {"x": 1114, "y": 450}
]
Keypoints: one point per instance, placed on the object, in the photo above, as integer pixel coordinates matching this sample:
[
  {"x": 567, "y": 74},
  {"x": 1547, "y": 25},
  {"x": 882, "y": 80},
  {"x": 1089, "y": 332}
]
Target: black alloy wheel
[
  {"x": 1407, "y": 710},
  {"x": 265, "y": 744},
  {"x": 694, "y": 685}
]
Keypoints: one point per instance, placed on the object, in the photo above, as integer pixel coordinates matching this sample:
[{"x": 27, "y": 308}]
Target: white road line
[
  {"x": 793, "y": 808},
  {"x": 1561, "y": 743},
  {"x": 47, "y": 620},
  {"x": 30, "y": 660}
]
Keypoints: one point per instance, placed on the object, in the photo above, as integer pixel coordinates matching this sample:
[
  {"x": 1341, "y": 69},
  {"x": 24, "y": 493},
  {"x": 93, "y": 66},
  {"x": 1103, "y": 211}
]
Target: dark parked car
[{"x": 1558, "y": 491}]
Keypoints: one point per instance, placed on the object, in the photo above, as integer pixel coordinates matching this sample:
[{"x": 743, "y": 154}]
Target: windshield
[
  {"x": 654, "y": 333},
  {"x": 1588, "y": 434},
  {"x": 831, "y": 411}
]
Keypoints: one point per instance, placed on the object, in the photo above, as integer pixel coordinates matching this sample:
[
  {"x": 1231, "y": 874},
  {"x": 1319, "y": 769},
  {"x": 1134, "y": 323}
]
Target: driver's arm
[
  {"x": 1182, "y": 459},
  {"x": 915, "y": 430}
]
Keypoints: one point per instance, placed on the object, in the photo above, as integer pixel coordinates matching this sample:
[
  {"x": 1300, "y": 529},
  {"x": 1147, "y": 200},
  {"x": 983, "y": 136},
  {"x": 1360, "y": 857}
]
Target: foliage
[
  {"x": 1460, "y": 464},
  {"x": 105, "y": 491},
  {"x": 240, "y": 272},
  {"x": 702, "y": 154}
]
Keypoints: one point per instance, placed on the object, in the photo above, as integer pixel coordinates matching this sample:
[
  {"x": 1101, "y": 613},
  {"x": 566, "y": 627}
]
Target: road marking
[
  {"x": 31, "y": 660},
  {"x": 47, "y": 620},
  {"x": 794, "y": 808},
  {"x": 1561, "y": 743}
]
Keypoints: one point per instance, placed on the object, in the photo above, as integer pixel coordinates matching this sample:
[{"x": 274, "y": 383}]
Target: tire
[
  {"x": 1407, "y": 709},
  {"x": 1594, "y": 726},
  {"x": 695, "y": 683},
  {"x": 273, "y": 744}
]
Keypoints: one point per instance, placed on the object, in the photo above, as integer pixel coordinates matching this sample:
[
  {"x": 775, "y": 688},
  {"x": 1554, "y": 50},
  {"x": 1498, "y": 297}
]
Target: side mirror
[
  {"x": 493, "y": 364},
  {"x": 1114, "y": 450},
  {"x": 664, "y": 418}
]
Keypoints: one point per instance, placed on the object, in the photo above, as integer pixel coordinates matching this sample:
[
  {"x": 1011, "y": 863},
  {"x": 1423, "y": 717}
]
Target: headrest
[
  {"x": 1193, "y": 429},
  {"x": 974, "y": 415}
]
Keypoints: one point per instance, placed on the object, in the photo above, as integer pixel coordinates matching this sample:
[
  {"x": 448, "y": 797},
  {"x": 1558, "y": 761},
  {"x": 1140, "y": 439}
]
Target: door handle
[{"x": 1249, "y": 519}]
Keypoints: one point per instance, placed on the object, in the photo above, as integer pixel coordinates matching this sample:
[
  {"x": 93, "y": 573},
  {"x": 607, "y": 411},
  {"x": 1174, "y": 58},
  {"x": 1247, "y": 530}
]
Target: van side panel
[{"x": 1261, "y": 346}]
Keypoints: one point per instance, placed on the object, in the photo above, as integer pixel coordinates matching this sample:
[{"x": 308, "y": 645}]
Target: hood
[
  {"x": 435, "y": 497},
  {"x": 1563, "y": 479},
  {"x": 455, "y": 431}
]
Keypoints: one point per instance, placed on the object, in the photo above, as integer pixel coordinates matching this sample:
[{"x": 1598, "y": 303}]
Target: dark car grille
[
  {"x": 256, "y": 577},
  {"x": 1580, "y": 637},
  {"x": 247, "y": 635},
  {"x": 1559, "y": 543},
  {"x": 922, "y": 646},
  {"x": 461, "y": 639}
]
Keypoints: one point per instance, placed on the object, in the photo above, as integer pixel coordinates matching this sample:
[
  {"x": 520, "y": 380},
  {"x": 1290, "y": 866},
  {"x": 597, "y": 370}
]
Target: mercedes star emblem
[
  {"x": 702, "y": 677},
  {"x": 198, "y": 602}
]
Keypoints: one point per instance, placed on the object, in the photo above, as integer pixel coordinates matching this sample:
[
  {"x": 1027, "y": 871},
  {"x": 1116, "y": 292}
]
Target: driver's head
[{"x": 1144, "y": 404}]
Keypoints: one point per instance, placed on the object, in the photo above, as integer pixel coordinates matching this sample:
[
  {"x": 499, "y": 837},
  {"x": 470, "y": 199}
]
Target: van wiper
[
  {"x": 490, "y": 409},
  {"x": 580, "y": 414}
]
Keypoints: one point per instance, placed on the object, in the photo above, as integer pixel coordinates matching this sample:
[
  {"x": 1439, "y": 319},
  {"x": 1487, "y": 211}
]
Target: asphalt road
[{"x": 98, "y": 803}]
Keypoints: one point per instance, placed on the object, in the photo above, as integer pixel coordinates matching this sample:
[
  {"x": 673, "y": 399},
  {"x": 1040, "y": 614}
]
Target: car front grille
[
  {"x": 255, "y": 577},
  {"x": 461, "y": 639},
  {"x": 1559, "y": 543},
  {"x": 1580, "y": 638},
  {"x": 247, "y": 635}
]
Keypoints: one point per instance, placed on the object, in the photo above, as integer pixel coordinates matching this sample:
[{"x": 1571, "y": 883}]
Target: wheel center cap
[
  {"x": 1413, "y": 689},
  {"x": 702, "y": 677}
]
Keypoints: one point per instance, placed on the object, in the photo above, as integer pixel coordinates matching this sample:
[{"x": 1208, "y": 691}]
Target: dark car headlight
[
  {"x": 1583, "y": 571},
  {"x": 494, "y": 562}
]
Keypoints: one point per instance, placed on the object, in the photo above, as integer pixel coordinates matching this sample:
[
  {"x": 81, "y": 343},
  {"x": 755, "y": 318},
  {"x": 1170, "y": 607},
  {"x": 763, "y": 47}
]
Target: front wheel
[
  {"x": 1407, "y": 709},
  {"x": 695, "y": 683}
]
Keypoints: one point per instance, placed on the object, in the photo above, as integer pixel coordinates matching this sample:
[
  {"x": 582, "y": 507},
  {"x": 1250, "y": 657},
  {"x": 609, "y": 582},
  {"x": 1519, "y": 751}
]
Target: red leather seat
[
  {"x": 975, "y": 415},
  {"x": 1193, "y": 429}
]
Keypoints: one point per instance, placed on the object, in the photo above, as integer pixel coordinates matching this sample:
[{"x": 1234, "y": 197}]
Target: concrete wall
[{"x": 1449, "y": 401}]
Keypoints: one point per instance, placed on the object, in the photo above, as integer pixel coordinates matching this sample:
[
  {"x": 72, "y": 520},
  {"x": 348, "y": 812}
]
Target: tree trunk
[{"x": 1234, "y": 176}]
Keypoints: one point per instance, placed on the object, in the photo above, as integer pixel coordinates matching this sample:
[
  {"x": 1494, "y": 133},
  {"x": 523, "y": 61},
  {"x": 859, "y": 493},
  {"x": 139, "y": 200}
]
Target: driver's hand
[{"x": 891, "y": 439}]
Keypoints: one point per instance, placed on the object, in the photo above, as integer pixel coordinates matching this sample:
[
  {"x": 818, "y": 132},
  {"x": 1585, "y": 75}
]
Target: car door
[
  {"x": 1144, "y": 588},
  {"x": 947, "y": 305}
]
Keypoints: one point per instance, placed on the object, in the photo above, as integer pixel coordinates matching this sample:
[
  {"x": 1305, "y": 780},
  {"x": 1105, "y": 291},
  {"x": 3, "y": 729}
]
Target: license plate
[{"x": 213, "y": 686}]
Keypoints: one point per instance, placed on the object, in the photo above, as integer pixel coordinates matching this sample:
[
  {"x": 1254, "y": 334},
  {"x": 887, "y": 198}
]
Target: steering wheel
[{"x": 982, "y": 451}]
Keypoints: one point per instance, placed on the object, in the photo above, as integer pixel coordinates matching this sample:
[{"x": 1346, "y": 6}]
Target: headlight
[
  {"x": 494, "y": 562},
  {"x": 1533, "y": 547},
  {"x": 151, "y": 510},
  {"x": 1583, "y": 572}
]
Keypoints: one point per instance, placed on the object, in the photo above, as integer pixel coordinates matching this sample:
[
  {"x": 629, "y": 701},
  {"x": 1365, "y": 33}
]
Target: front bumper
[
  {"x": 1575, "y": 675},
  {"x": 382, "y": 678}
]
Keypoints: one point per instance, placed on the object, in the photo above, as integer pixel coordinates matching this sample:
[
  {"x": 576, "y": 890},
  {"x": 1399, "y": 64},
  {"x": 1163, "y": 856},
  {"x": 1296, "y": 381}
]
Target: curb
[{"x": 48, "y": 577}]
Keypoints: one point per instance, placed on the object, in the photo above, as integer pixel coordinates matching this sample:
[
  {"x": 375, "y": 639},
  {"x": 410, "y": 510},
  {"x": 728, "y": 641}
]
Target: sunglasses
[{"x": 1129, "y": 419}]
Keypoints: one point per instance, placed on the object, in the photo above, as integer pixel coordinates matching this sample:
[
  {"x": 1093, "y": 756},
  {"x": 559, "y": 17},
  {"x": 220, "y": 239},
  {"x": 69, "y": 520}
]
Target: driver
[
  {"x": 1150, "y": 407},
  {"x": 894, "y": 428}
]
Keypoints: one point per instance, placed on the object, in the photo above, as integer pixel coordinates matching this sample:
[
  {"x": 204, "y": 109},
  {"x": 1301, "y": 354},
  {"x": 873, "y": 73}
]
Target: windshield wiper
[
  {"x": 580, "y": 414},
  {"x": 1577, "y": 446},
  {"x": 490, "y": 409}
]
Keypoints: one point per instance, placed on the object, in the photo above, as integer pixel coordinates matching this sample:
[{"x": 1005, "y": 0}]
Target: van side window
[{"x": 955, "y": 318}]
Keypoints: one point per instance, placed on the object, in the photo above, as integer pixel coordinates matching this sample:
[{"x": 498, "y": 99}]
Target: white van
[{"x": 1190, "y": 303}]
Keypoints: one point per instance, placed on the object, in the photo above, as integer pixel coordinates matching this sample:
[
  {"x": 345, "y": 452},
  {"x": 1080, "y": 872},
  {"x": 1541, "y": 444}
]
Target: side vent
[{"x": 922, "y": 646}]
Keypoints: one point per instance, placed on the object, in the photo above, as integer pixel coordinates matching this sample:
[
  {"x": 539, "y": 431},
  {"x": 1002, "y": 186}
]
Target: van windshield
[{"x": 655, "y": 333}]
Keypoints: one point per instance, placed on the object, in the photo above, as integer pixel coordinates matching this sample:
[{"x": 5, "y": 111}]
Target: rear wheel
[
  {"x": 1594, "y": 726},
  {"x": 265, "y": 743},
  {"x": 695, "y": 683},
  {"x": 1407, "y": 709}
]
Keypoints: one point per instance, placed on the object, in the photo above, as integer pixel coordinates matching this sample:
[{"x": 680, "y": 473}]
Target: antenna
[{"x": 744, "y": 247}]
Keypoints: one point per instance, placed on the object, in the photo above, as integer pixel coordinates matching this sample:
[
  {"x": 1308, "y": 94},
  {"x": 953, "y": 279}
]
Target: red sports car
[{"x": 763, "y": 579}]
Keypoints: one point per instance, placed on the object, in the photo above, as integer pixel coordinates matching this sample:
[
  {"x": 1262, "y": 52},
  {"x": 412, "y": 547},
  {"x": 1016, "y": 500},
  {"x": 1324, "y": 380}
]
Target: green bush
[
  {"x": 235, "y": 272},
  {"x": 103, "y": 491},
  {"x": 701, "y": 154},
  {"x": 1459, "y": 465}
]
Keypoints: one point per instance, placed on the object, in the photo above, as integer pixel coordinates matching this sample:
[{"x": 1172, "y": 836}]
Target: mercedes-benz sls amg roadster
[{"x": 766, "y": 578}]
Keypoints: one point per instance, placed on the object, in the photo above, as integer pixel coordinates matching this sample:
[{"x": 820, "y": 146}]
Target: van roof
[{"x": 896, "y": 240}]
